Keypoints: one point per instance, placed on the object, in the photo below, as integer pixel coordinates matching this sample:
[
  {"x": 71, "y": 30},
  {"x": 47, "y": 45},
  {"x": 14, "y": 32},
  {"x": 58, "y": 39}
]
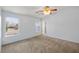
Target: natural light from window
[{"x": 11, "y": 26}]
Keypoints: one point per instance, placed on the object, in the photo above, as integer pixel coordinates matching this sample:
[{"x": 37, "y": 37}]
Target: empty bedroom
[{"x": 39, "y": 29}]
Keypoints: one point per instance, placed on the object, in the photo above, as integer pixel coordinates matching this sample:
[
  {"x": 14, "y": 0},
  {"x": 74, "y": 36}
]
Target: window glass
[
  {"x": 12, "y": 26},
  {"x": 37, "y": 27}
]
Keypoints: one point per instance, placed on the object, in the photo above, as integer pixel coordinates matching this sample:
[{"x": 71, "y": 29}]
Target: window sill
[{"x": 10, "y": 35}]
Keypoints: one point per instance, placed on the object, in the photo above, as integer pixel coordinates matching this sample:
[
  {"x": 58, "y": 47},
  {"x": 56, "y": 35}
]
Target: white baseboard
[
  {"x": 62, "y": 38},
  {"x": 8, "y": 42}
]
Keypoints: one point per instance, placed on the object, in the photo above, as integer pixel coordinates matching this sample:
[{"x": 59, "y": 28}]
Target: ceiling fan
[{"x": 47, "y": 10}]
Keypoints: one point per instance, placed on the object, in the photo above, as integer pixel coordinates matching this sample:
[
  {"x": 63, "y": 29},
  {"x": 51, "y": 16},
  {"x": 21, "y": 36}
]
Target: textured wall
[
  {"x": 26, "y": 27},
  {"x": 64, "y": 24},
  {"x": 0, "y": 29}
]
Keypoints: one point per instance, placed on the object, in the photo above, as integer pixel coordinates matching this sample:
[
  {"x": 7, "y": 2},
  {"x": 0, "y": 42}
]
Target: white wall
[
  {"x": 26, "y": 26},
  {"x": 64, "y": 24},
  {"x": 0, "y": 29}
]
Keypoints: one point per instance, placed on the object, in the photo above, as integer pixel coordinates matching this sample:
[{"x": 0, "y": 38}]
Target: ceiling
[
  {"x": 25, "y": 10},
  {"x": 31, "y": 10}
]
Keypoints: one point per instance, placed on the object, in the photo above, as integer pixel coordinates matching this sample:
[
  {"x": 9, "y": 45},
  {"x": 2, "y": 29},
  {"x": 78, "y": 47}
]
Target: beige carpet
[{"x": 41, "y": 44}]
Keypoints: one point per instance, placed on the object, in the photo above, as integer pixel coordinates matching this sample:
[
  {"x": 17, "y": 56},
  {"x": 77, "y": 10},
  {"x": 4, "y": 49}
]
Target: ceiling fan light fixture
[{"x": 47, "y": 10}]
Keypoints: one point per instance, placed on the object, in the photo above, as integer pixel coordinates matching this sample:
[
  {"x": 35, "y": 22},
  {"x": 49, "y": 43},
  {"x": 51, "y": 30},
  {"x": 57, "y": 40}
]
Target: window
[
  {"x": 37, "y": 27},
  {"x": 12, "y": 24}
]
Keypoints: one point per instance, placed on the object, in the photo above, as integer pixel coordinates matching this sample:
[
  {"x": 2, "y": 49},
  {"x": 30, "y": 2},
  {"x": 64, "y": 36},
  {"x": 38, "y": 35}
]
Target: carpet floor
[{"x": 41, "y": 44}]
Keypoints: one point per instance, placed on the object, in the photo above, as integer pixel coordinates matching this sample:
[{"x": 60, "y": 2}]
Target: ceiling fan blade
[{"x": 53, "y": 9}]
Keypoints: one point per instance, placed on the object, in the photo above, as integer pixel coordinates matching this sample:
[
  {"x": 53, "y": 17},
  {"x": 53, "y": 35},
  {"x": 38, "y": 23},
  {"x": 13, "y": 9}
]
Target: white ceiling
[
  {"x": 31, "y": 10},
  {"x": 26, "y": 10}
]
